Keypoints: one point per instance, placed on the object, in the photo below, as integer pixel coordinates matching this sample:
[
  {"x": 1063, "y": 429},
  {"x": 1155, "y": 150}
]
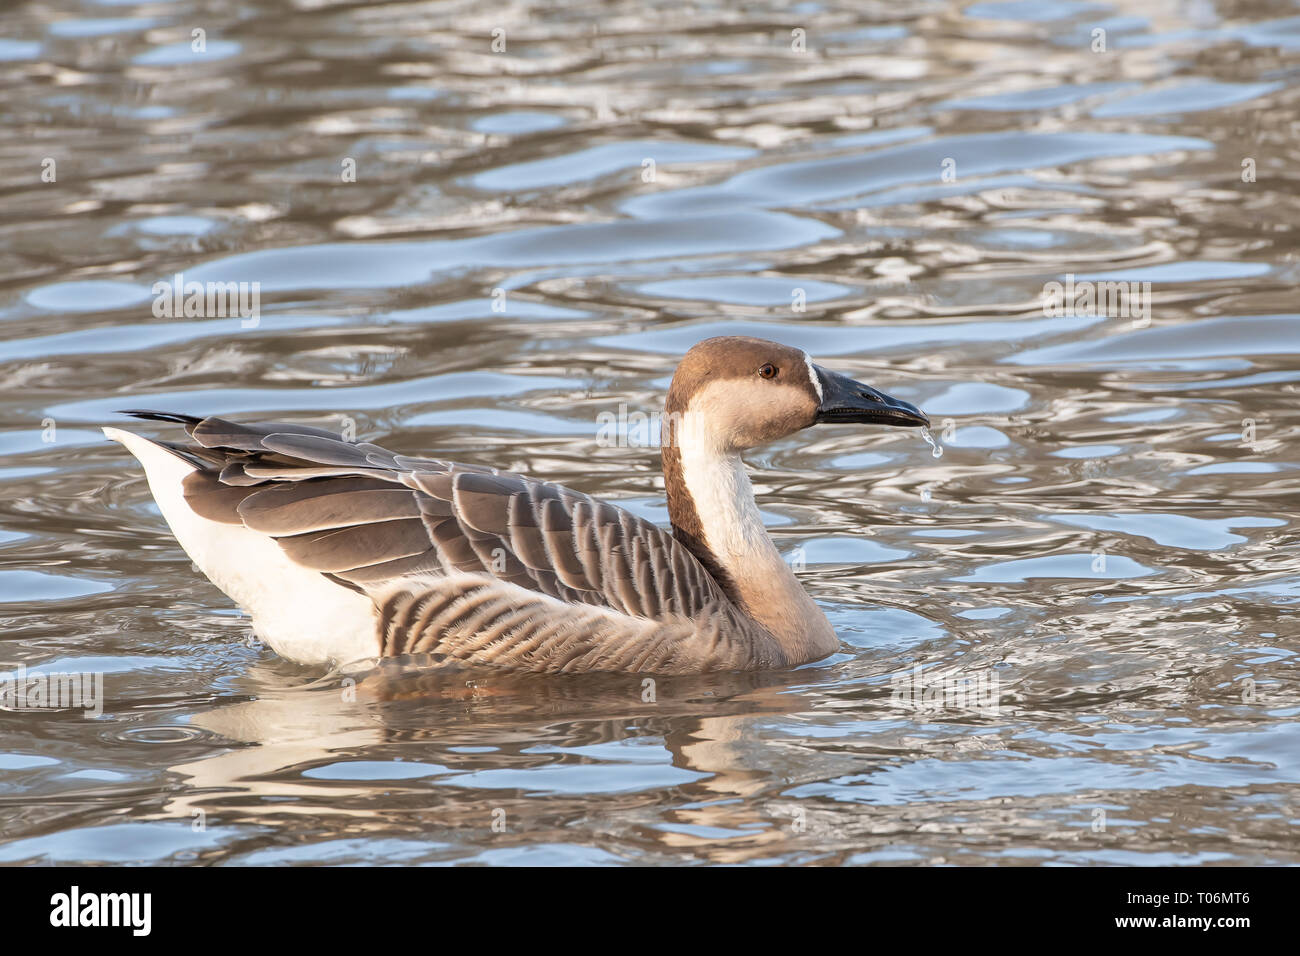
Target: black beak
[{"x": 844, "y": 400}]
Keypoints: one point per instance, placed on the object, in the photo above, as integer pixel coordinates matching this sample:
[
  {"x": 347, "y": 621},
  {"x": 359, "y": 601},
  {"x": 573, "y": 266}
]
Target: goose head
[{"x": 734, "y": 393}]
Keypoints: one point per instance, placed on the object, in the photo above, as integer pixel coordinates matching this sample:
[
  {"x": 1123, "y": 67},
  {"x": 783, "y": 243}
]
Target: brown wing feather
[{"x": 369, "y": 518}]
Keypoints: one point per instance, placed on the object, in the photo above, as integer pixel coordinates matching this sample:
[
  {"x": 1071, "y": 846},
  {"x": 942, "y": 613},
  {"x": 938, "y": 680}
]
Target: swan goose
[{"x": 343, "y": 551}]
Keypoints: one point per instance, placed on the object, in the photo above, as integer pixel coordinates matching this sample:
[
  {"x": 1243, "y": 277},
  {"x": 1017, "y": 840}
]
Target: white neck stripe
[{"x": 816, "y": 382}]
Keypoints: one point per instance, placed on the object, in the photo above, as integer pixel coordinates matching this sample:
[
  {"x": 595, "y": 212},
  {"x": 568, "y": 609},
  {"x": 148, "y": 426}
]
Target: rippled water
[{"x": 1108, "y": 539}]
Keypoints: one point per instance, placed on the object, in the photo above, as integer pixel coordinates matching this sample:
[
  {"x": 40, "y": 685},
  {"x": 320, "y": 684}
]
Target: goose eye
[{"x": 767, "y": 371}]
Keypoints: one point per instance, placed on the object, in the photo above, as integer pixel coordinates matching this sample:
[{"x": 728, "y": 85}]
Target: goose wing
[{"x": 413, "y": 532}]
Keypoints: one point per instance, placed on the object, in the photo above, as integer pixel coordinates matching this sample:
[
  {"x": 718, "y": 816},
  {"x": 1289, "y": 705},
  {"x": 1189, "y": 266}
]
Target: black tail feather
[{"x": 151, "y": 415}]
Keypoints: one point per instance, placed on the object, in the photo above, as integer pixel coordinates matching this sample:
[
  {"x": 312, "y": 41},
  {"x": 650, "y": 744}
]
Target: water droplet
[
  {"x": 157, "y": 735},
  {"x": 935, "y": 448}
]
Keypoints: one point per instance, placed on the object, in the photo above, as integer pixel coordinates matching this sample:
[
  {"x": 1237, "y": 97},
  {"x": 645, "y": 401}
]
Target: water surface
[{"x": 476, "y": 254}]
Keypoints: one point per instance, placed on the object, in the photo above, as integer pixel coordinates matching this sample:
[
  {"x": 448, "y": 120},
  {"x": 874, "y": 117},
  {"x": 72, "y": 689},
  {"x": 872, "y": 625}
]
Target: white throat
[
  {"x": 724, "y": 501},
  {"x": 733, "y": 531}
]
